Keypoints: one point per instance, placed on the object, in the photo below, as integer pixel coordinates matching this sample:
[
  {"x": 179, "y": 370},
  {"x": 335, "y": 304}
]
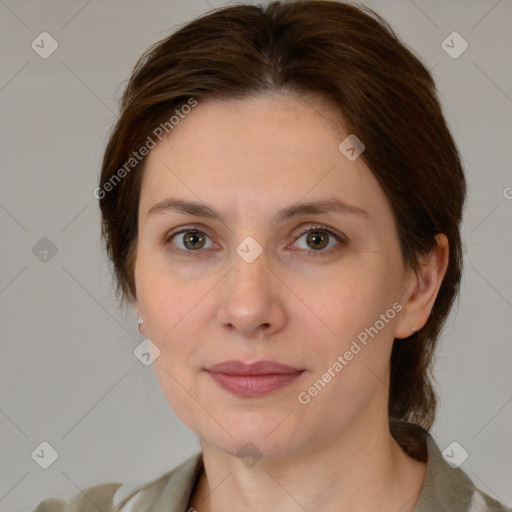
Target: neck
[{"x": 363, "y": 470}]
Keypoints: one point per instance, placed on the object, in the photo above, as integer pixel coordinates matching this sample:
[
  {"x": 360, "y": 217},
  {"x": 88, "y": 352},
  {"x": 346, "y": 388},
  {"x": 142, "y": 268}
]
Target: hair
[{"x": 350, "y": 57}]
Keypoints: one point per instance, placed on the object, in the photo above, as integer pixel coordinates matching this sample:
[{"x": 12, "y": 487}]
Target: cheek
[
  {"x": 352, "y": 301},
  {"x": 173, "y": 325},
  {"x": 357, "y": 315},
  {"x": 178, "y": 388},
  {"x": 169, "y": 322},
  {"x": 164, "y": 300}
]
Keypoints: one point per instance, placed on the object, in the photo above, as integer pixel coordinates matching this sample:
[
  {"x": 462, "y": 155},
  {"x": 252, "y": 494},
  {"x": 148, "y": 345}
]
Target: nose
[{"x": 252, "y": 299}]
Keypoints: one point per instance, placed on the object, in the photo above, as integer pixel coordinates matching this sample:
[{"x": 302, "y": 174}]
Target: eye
[
  {"x": 318, "y": 238},
  {"x": 189, "y": 240}
]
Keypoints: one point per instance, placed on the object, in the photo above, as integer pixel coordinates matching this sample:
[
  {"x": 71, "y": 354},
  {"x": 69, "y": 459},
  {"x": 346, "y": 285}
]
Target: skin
[{"x": 294, "y": 304}]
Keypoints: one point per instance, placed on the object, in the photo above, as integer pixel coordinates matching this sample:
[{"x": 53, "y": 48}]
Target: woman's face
[{"x": 318, "y": 289}]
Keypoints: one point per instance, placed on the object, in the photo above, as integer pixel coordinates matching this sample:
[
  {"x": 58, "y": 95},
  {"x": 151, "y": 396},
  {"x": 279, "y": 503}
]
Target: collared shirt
[{"x": 445, "y": 489}]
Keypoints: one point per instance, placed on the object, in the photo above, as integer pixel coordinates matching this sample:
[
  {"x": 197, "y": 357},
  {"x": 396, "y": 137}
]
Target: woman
[{"x": 281, "y": 201}]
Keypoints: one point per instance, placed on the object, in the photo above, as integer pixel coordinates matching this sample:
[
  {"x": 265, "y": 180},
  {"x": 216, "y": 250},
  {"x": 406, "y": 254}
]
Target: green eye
[
  {"x": 188, "y": 240},
  {"x": 319, "y": 241}
]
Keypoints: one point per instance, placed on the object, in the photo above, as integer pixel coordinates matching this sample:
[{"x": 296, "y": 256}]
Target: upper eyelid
[{"x": 183, "y": 229}]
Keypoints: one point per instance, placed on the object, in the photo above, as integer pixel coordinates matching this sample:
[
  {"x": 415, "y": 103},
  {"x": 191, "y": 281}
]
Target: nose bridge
[
  {"x": 250, "y": 299},
  {"x": 250, "y": 272}
]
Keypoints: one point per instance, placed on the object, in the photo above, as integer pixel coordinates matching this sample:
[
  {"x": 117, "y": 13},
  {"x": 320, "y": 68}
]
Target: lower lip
[{"x": 253, "y": 385}]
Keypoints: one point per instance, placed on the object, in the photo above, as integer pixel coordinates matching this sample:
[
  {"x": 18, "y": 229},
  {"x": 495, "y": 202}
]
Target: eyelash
[{"x": 341, "y": 241}]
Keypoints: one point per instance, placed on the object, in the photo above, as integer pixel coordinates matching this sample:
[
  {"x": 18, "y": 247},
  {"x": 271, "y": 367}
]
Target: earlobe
[
  {"x": 422, "y": 289},
  {"x": 136, "y": 308}
]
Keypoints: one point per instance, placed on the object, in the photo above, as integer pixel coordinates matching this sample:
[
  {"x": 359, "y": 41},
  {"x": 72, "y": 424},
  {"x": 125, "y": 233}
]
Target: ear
[
  {"x": 136, "y": 307},
  {"x": 421, "y": 289}
]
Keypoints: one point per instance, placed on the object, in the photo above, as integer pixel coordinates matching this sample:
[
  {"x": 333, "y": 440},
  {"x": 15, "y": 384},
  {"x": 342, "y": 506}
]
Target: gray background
[{"x": 69, "y": 376}]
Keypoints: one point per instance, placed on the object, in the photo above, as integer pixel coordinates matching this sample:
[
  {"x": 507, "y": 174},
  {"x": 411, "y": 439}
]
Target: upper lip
[{"x": 258, "y": 368}]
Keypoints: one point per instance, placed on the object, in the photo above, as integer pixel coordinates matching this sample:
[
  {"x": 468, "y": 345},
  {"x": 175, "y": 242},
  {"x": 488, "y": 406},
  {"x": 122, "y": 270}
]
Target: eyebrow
[{"x": 329, "y": 205}]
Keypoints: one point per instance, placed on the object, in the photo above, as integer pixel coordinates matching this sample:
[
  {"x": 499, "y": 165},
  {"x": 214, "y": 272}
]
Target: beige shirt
[{"x": 444, "y": 490}]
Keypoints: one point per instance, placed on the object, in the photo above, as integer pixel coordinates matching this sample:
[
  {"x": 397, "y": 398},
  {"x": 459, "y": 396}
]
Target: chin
[
  {"x": 249, "y": 449},
  {"x": 251, "y": 438}
]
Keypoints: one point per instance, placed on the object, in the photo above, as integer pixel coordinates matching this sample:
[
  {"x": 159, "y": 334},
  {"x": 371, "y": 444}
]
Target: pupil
[
  {"x": 317, "y": 238},
  {"x": 193, "y": 238}
]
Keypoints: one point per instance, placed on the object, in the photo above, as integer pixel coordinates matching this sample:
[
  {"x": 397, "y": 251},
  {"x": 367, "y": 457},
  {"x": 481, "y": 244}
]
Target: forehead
[
  {"x": 268, "y": 149},
  {"x": 267, "y": 122}
]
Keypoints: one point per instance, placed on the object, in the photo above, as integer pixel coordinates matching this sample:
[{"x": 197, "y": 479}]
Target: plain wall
[{"x": 69, "y": 376}]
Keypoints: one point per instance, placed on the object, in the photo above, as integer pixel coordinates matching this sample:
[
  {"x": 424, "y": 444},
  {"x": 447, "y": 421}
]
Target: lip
[{"x": 256, "y": 379}]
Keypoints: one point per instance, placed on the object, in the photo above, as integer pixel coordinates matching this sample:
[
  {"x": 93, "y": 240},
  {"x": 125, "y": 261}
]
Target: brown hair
[{"x": 348, "y": 56}]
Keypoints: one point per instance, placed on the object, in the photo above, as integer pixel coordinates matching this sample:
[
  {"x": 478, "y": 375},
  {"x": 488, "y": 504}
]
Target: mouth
[{"x": 256, "y": 379}]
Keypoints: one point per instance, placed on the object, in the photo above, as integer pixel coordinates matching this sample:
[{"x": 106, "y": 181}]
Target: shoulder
[
  {"x": 96, "y": 497},
  {"x": 481, "y": 502},
  {"x": 448, "y": 487},
  {"x": 173, "y": 487}
]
